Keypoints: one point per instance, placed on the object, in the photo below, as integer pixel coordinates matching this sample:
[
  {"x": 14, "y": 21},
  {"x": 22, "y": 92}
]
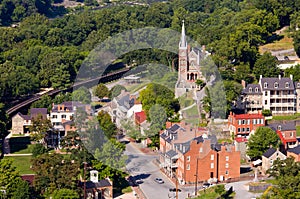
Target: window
[
  {"x": 256, "y": 89},
  {"x": 239, "y": 122},
  {"x": 250, "y": 90},
  {"x": 243, "y": 129},
  {"x": 188, "y": 158},
  {"x": 279, "y": 127},
  {"x": 265, "y": 85},
  {"x": 239, "y": 129},
  {"x": 266, "y": 102},
  {"x": 211, "y": 157},
  {"x": 248, "y": 129},
  {"x": 275, "y": 85},
  {"x": 211, "y": 165},
  {"x": 287, "y": 85},
  {"x": 226, "y": 165},
  {"x": 201, "y": 150},
  {"x": 226, "y": 172},
  {"x": 188, "y": 167},
  {"x": 254, "y": 121},
  {"x": 266, "y": 93},
  {"x": 227, "y": 158},
  {"x": 63, "y": 116},
  {"x": 262, "y": 121},
  {"x": 248, "y": 121},
  {"x": 54, "y": 116}
]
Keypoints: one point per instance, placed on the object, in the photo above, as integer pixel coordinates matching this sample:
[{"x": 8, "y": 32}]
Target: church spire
[{"x": 183, "y": 42}]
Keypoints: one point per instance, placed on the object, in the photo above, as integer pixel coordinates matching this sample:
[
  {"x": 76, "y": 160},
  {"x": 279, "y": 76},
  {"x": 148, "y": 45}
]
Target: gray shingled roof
[
  {"x": 295, "y": 150},
  {"x": 174, "y": 128},
  {"x": 253, "y": 87},
  {"x": 281, "y": 83},
  {"x": 269, "y": 152},
  {"x": 171, "y": 153},
  {"x": 101, "y": 183},
  {"x": 288, "y": 126}
]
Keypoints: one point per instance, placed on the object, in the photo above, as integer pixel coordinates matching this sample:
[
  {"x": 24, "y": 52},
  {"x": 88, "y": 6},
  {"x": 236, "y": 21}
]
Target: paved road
[
  {"x": 142, "y": 168},
  {"x": 241, "y": 190}
]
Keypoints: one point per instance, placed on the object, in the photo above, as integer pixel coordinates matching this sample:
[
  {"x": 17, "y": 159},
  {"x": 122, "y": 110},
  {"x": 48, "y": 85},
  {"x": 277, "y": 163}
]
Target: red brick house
[
  {"x": 287, "y": 133},
  {"x": 241, "y": 125},
  {"x": 295, "y": 153},
  {"x": 193, "y": 155}
]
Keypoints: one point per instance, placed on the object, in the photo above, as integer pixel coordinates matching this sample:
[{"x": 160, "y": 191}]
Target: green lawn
[
  {"x": 214, "y": 192},
  {"x": 22, "y": 163},
  {"x": 287, "y": 117},
  {"x": 26, "y": 150},
  {"x": 298, "y": 130}
]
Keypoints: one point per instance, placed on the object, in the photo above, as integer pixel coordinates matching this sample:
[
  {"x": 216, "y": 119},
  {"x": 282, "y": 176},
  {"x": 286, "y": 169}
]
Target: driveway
[
  {"x": 142, "y": 168},
  {"x": 241, "y": 190}
]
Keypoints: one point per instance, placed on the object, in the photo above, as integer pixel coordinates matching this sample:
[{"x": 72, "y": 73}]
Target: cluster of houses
[{"x": 243, "y": 125}]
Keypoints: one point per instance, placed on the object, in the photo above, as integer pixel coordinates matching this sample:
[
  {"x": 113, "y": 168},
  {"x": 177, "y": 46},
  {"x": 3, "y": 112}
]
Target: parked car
[
  {"x": 174, "y": 190},
  {"x": 206, "y": 185},
  {"x": 159, "y": 180}
]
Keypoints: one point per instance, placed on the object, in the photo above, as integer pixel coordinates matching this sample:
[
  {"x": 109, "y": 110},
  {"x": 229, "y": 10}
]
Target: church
[{"x": 188, "y": 66}]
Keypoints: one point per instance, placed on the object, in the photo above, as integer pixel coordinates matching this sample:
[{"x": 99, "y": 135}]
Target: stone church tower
[{"x": 188, "y": 66}]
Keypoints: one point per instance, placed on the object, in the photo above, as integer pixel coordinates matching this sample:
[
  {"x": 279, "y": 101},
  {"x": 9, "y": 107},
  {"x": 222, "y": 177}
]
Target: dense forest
[{"x": 47, "y": 52}]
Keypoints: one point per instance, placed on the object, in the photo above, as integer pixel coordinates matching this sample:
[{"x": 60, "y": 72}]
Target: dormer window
[
  {"x": 256, "y": 89},
  {"x": 298, "y": 84},
  {"x": 250, "y": 90},
  {"x": 287, "y": 85},
  {"x": 275, "y": 85},
  {"x": 265, "y": 85},
  {"x": 279, "y": 128}
]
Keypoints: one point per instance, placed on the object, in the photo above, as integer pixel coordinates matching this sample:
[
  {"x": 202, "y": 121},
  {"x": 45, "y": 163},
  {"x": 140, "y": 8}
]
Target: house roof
[
  {"x": 281, "y": 83},
  {"x": 253, "y": 89},
  {"x": 101, "y": 183},
  {"x": 171, "y": 153},
  {"x": 248, "y": 116},
  {"x": 25, "y": 117},
  {"x": 288, "y": 126},
  {"x": 295, "y": 150},
  {"x": 241, "y": 139},
  {"x": 68, "y": 106},
  {"x": 269, "y": 152},
  {"x": 35, "y": 111},
  {"x": 140, "y": 117}
]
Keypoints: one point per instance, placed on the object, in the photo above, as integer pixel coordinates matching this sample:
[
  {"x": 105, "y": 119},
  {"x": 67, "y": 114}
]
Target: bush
[
  {"x": 127, "y": 190},
  {"x": 266, "y": 113},
  {"x": 38, "y": 149}
]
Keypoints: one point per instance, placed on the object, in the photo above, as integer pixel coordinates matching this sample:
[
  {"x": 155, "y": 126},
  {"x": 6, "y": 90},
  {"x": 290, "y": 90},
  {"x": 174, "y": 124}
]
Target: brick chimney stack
[{"x": 243, "y": 84}]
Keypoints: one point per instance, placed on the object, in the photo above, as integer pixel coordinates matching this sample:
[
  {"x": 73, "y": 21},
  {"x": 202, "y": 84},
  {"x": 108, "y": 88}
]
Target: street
[{"x": 143, "y": 169}]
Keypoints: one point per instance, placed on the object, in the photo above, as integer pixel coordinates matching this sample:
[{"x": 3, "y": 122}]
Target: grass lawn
[
  {"x": 26, "y": 150},
  {"x": 135, "y": 87},
  {"x": 287, "y": 117},
  {"x": 22, "y": 163},
  {"x": 298, "y": 130},
  {"x": 214, "y": 192}
]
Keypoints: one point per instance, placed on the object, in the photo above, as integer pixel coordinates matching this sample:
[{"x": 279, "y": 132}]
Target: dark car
[
  {"x": 206, "y": 185},
  {"x": 159, "y": 180},
  {"x": 174, "y": 190}
]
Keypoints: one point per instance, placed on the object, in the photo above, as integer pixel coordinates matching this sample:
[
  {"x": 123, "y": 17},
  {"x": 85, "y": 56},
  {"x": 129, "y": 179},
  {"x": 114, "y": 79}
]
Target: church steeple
[{"x": 183, "y": 43}]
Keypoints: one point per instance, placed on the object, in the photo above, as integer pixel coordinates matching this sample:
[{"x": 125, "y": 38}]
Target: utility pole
[
  {"x": 196, "y": 178},
  {"x": 84, "y": 181}
]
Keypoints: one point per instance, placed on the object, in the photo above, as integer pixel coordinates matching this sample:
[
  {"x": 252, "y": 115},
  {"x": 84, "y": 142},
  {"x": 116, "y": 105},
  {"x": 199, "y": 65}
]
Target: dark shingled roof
[
  {"x": 174, "y": 128},
  {"x": 295, "y": 150},
  {"x": 253, "y": 87},
  {"x": 269, "y": 152},
  {"x": 281, "y": 83},
  {"x": 289, "y": 126},
  {"x": 171, "y": 153},
  {"x": 101, "y": 183}
]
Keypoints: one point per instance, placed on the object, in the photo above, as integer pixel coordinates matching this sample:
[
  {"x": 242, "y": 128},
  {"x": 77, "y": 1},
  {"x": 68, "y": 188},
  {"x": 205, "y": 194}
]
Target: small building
[
  {"x": 240, "y": 144},
  {"x": 132, "y": 79},
  {"x": 269, "y": 157},
  {"x": 97, "y": 189},
  {"x": 241, "y": 125},
  {"x": 295, "y": 153},
  {"x": 21, "y": 123},
  {"x": 287, "y": 133}
]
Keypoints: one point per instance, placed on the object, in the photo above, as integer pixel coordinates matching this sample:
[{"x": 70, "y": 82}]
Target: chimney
[
  {"x": 260, "y": 76},
  {"x": 279, "y": 76},
  {"x": 291, "y": 77},
  {"x": 94, "y": 176},
  {"x": 244, "y": 84},
  {"x": 188, "y": 48},
  {"x": 203, "y": 49}
]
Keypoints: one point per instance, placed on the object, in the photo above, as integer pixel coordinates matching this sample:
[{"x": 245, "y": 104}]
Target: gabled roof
[
  {"x": 269, "y": 152},
  {"x": 140, "y": 117},
  {"x": 248, "y": 116},
  {"x": 281, "y": 83},
  {"x": 174, "y": 128},
  {"x": 253, "y": 89},
  {"x": 101, "y": 183},
  {"x": 171, "y": 153},
  {"x": 288, "y": 126},
  {"x": 295, "y": 150}
]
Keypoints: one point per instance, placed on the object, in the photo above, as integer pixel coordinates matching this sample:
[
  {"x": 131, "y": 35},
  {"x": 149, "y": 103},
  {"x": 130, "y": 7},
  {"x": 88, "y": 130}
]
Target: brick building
[
  {"x": 287, "y": 133},
  {"x": 241, "y": 125},
  {"x": 295, "y": 153},
  {"x": 192, "y": 155}
]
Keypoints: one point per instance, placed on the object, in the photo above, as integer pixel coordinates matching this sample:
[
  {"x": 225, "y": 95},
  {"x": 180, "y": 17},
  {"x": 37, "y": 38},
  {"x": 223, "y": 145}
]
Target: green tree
[
  {"x": 65, "y": 194},
  {"x": 39, "y": 128},
  {"x": 131, "y": 129},
  {"x": 261, "y": 141},
  {"x": 116, "y": 90},
  {"x": 38, "y": 149},
  {"x": 158, "y": 117},
  {"x": 294, "y": 70},
  {"x": 3, "y": 127},
  {"x": 82, "y": 95},
  {"x": 266, "y": 65},
  {"x": 106, "y": 125},
  {"x": 44, "y": 102},
  {"x": 11, "y": 181},
  {"x": 287, "y": 179},
  {"x": 101, "y": 91}
]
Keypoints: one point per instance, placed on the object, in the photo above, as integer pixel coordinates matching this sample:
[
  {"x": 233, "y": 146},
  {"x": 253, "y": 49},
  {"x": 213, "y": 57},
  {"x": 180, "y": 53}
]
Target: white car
[{"x": 159, "y": 180}]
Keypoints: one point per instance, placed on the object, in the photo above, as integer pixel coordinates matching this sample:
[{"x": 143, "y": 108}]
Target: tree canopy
[{"x": 261, "y": 141}]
